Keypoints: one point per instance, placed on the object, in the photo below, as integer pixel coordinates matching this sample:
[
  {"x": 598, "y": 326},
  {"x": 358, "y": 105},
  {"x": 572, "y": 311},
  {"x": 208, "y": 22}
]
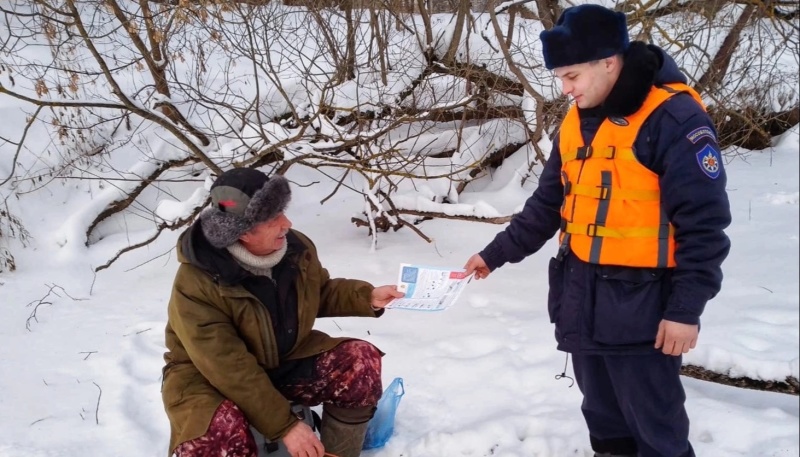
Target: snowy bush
[{"x": 420, "y": 113}]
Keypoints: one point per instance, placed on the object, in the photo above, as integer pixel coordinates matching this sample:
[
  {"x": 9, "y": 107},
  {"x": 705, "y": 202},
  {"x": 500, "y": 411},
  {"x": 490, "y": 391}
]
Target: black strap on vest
[
  {"x": 663, "y": 240},
  {"x": 564, "y": 246},
  {"x": 602, "y": 216}
]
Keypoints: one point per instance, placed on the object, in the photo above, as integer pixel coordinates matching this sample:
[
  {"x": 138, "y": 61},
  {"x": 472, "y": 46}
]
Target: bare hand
[
  {"x": 676, "y": 338},
  {"x": 383, "y": 295},
  {"x": 476, "y": 265},
  {"x": 301, "y": 441}
]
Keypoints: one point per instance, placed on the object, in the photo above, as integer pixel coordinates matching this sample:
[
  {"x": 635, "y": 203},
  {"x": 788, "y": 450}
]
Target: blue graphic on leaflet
[{"x": 409, "y": 275}]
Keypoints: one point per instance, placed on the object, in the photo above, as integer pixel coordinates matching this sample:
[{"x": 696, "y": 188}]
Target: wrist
[{"x": 681, "y": 316}]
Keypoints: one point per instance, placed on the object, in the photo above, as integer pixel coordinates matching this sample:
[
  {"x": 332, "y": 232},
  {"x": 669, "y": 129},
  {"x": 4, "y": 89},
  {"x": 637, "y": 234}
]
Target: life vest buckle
[
  {"x": 591, "y": 229},
  {"x": 584, "y": 152}
]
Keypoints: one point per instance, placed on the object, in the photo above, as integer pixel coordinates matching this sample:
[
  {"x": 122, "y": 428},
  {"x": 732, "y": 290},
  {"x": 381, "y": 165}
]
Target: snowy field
[{"x": 84, "y": 379}]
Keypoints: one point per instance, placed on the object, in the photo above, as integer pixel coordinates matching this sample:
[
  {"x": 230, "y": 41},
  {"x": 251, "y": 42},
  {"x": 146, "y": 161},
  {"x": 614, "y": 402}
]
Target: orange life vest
[{"x": 612, "y": 213}]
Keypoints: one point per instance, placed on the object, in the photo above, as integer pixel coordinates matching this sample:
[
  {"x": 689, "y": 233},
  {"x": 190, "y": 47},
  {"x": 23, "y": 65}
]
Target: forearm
[
  {"x": 538, "y": 221},
  {"x": 346, "y": 297}
]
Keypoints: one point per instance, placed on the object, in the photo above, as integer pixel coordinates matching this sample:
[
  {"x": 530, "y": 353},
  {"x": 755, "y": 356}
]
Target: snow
[
  {"x": 81, "y": 353},
  {"x": 479, "y": 377}
]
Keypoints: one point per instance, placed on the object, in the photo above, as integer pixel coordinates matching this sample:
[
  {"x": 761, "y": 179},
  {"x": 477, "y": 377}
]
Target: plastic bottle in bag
[{"x": 381, "y": 426}]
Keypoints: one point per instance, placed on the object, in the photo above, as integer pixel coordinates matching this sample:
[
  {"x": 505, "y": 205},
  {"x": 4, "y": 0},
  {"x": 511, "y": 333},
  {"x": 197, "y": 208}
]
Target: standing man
[
  {"x": 635, "y": 185},
  {"x": 240, "y": 332}
]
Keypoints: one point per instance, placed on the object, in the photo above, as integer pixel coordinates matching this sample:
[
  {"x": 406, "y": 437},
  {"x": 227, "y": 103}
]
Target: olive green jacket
[{"x": 220, "y": 340}]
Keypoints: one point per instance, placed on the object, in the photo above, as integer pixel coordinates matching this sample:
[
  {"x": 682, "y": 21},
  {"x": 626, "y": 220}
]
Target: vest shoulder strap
[{"x": 675, "y": 88}]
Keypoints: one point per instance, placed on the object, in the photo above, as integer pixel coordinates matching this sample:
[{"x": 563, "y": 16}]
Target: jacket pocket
[
  {"x": 629, "y": 304},
  {"x": 555, "y": 274}
]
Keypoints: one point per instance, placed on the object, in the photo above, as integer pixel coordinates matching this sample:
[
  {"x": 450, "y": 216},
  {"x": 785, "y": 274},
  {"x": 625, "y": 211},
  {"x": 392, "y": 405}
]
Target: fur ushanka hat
[
  {"x": 241, "y": 198},
  {"x": 584, "y": 33}
]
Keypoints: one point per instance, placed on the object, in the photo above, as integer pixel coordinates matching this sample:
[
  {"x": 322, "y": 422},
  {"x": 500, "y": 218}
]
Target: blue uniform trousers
[{"x": 634, "y": 404}]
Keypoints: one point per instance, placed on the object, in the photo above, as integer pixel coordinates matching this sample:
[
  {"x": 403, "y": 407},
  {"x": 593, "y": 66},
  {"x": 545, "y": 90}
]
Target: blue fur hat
[{"x": 584, "y": 33}]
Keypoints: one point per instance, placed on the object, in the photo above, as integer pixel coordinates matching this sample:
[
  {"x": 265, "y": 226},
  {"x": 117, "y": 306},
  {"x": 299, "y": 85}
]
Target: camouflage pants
[{"x": 347, "y": 376}]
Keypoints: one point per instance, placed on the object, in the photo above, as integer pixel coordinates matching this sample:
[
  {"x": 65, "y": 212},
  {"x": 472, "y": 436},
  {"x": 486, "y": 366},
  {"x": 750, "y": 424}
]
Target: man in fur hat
[
  {"x": 240, "y": 332},
  {"x": 636, "y": 189}
]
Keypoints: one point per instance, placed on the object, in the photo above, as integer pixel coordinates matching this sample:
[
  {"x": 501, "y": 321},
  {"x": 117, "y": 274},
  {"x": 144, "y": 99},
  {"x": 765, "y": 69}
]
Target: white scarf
[{"x": 260, "y": 265}]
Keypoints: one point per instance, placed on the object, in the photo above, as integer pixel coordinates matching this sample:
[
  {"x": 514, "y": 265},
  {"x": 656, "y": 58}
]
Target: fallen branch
[
  {"x": 430, "y": 215},
  {"x": 480, "y": 75},
  {"x": 493, "y": 160},
  {"x": 790, "y": 386},
  {"x": 383, "y": 224},
  {"x": 131, "y": 195},
  {"x": 97, "y": 408},
  {"x": 403, "y": 221},
  {"x": 42, "y": 301},
  {"x": 384, "y": 220},
  {"x": 160, "y": 228}
]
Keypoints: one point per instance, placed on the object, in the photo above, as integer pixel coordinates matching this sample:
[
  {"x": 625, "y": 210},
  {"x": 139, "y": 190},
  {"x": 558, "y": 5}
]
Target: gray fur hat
[{"x": 241, "y": 198}]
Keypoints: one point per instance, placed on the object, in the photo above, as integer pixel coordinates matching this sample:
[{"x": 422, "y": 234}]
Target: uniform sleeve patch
[
  {"x": 709, "y": 160},
  {"x": 699, "y": 133}
]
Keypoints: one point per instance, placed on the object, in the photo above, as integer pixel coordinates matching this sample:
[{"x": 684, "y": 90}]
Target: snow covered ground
[
  {"x": 480, "y": 377},
  {"x": 81, "y": 354}
]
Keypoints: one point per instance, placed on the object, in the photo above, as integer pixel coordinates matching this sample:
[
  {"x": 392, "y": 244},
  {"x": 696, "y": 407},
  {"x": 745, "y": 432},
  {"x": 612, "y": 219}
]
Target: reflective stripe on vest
[{"x": 612, "y": 212}]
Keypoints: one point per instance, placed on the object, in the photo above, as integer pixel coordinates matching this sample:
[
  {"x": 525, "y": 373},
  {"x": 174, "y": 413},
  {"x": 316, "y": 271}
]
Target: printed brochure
[{"x": 428, "y": 288}]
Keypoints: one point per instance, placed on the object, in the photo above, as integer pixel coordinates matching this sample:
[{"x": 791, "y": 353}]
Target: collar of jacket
[
  {"x": 637, "y": 76},
  {"x": 219, "y": 263}
]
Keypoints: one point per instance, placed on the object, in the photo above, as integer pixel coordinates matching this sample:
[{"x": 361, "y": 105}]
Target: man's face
[
  {"x": 267, "y": 237},
  {"x": 589, "y": 83}
]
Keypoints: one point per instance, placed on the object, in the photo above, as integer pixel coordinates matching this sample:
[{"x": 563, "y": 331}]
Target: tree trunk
[
  {"x": 426, "y": 20},
  {"x": 463, "y": 9},
  {"x": 548, "y": 12},
  {"x": 157, "y": 63},
  {"x": 377, "y": 36},
  {"x": 348, "y": 72},
  {"x": 719, "y": 65},
  {"x": 512, "y": 16}
]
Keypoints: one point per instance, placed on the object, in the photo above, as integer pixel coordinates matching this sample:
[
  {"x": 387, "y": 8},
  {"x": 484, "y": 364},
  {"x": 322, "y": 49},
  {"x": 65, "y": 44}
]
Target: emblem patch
[
  {"x": 701, "y": 132},
  {"x": 709, "y": 160}
]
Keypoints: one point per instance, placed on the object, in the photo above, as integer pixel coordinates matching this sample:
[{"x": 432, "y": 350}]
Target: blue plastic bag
[{"x": 381, "y": 426}]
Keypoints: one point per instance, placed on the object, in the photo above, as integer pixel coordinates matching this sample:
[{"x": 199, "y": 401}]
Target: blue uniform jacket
[{"x": 609, "y": 309}]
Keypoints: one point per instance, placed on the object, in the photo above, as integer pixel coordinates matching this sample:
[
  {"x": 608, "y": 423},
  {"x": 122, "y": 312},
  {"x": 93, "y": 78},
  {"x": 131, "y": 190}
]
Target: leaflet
[{"x": 429, "y": 288}]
